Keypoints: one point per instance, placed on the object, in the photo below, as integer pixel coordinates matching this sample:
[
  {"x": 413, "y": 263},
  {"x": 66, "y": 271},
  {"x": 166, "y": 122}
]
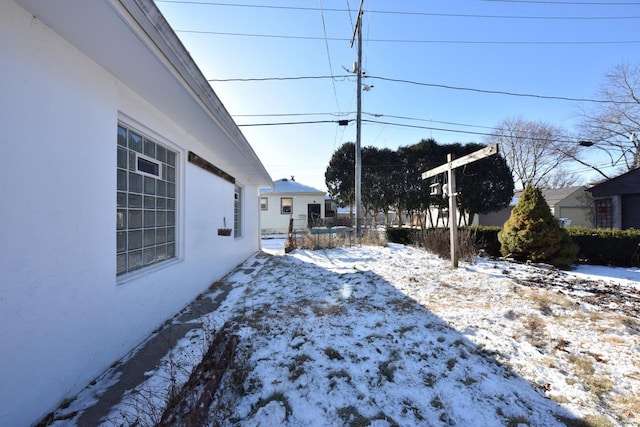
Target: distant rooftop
[
  {"x": 553, "y": 195},
  {"x": 286, "y": 185}
]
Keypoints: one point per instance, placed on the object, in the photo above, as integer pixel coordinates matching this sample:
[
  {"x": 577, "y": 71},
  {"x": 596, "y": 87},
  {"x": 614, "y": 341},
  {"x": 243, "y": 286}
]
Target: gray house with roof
[
  {"x": 617, "y": 201},
  {"x": 570, "y": 205}
]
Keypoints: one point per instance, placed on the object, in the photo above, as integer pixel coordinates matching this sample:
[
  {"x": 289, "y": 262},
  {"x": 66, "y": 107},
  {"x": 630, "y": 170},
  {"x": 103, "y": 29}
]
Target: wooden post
[
  {"x": 449, "y": 168},
  {"x": 290, "y": 243},
  {"x": 453, "y": 210}
]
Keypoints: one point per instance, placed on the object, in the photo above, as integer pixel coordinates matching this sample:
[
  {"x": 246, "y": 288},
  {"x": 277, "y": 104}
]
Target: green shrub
[
  {"x": 486, "y": 238},
  {"x": 533, "y": 233},
  {"x": 405, "y": 236},
  {"x": 607, "y": 246}
]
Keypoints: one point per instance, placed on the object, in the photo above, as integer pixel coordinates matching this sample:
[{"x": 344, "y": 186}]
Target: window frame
[
  {"x": 283, "y": 206},
  {"x": 150, "y": 160},
  {"x": 264, "y": 206},
  {"x": 603, "y": 215},
  {"x": 237, "y": 211},
  {"x": 155, "y": 204}
]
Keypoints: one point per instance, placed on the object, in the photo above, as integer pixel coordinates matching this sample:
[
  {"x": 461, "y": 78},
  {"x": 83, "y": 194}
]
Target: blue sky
[{"x": 548, "y": 48}]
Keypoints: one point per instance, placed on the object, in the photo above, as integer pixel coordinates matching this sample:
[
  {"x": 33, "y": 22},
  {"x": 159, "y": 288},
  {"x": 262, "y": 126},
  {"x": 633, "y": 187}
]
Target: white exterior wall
[
  {"x": 64, "y": 316},
  {"x": 272, "y": 221}
]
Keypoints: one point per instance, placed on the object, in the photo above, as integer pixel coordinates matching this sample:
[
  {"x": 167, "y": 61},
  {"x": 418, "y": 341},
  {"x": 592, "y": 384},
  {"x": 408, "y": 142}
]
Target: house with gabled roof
[
  {"x": 120, "y": 167},
  {"x": 570, "y": 205},
  {"x": 291, "y": 201},
  {"x": 616, "y": 201}
]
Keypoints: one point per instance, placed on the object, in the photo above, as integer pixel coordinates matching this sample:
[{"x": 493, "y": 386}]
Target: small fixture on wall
[{"x": 224, "y": 231}]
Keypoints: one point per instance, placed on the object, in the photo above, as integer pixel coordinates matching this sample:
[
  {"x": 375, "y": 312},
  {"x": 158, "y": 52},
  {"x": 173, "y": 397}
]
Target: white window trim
[
  {"x": 242, "y": 198},
  {"x": 282, "y": 206},
  {"x": 149, "y": 159},
  {"x": 136, "y": 126}
]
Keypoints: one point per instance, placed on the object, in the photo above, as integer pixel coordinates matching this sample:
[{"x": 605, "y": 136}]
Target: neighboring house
[
  {"x": 111, "y": 191},
  {"x": 287, "y": 200},
  {"x": 497, "y": 218},
  {"x": 617, "y": 201},
  {"x": 570, "y": 205}
]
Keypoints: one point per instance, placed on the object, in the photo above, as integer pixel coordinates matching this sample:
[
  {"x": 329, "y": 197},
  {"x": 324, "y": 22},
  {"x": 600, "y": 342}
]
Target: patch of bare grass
[
  {"x": 321, "y": 310},
  {"x": 630, "y": 406},
  {"x": 388, "y": 368},
  {"x": 277, "y": 397},
  {"x": 536, "y": 332},
  {"x": 403, "y": 305}
]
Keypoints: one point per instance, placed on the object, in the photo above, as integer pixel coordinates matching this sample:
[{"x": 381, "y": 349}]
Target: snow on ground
[{"x": 386, "y": 336}]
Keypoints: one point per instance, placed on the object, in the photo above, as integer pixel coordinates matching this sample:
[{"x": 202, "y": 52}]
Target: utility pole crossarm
[{"x": 469, "y": 158}]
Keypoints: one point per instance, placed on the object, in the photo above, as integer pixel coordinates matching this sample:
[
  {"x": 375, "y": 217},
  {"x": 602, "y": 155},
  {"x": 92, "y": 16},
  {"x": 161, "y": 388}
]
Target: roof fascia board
[{"x": 149, "y": 24}]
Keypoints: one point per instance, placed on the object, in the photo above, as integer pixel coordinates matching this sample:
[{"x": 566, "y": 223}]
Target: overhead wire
[
  {"x": 387, "y": 123},
  {"x": 469, "y": 42},
  {"x": 437, "y": 85},
  {"x": 257, "y": 79},
  {"x": 573, "y": 3},
  {"x": 494, "y": 131},
  {"x": 326, "y": 43},
  {"x": 499, "y": 92},
  {"x": 399, "y": 12}
]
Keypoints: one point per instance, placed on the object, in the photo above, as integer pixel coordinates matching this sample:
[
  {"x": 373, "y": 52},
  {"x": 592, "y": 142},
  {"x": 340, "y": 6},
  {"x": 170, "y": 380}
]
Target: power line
[
  {"x": 294, "y": 114},
  {"x": 450, "y": 42},
  {"x": 311, "y": 122},
  {"x": 326, "y": 43},
  {"x": 258, "y": 79},
  {"x": 493, "y": 129},
  {"x": 387, "y": 123},
  {"x": 499, "y": 92},
  {"x": 431, "y": 14},
  {"x": 574, "y": 3},
  {"x": 436, "y": 85}
]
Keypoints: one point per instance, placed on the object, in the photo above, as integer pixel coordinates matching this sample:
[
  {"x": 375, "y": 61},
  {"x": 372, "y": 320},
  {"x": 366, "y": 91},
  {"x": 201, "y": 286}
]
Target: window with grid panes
[
  {"x": 604, "y": 213},
  {"x": 146, "y": 201},
  {"x": 237, "y": 211}
]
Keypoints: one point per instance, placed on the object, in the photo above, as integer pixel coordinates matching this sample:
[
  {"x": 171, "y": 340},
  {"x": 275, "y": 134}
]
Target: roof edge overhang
[
  {"x": 154, "y": 25},
  {"x": 180, "y": 90}
]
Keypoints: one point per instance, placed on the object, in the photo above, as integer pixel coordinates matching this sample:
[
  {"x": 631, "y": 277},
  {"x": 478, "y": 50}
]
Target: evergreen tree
[
  {"x": 533, "y": 233},
  {"x": 485, "y": 185},
  {"x": 340, "y": 175}
]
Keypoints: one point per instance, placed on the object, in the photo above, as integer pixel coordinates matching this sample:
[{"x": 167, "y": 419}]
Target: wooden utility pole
[
  {"x": 358, "y": 70},
  {"x": 449, "y": 168}
]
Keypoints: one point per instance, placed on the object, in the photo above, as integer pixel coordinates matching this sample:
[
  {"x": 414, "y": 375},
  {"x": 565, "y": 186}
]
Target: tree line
[
  {"x": 532, "y": 153},
  {"x": 393, "y": 180}
]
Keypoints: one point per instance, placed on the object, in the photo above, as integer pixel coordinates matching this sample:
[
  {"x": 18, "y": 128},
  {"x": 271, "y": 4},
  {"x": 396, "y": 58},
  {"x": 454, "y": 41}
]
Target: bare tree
[
  {"x": 535, "y": 151},
  {"x": 609, "y": 126},
  {"x": 562, "y": 178}
]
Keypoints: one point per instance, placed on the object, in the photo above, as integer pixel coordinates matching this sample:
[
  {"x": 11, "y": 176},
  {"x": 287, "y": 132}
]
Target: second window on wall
[
  {"x": 237, "y": 211},
  {"x": 286, "y": 205}
]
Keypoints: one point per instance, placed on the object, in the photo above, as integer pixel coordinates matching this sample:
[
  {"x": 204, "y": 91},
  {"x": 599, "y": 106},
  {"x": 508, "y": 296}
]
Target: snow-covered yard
[{"x": 391, "y": 335}]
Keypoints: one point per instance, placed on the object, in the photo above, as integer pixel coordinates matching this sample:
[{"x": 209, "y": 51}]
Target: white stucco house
[
  {"x": 120, "y": 163},
  {"x": 290, "y": 199}
]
